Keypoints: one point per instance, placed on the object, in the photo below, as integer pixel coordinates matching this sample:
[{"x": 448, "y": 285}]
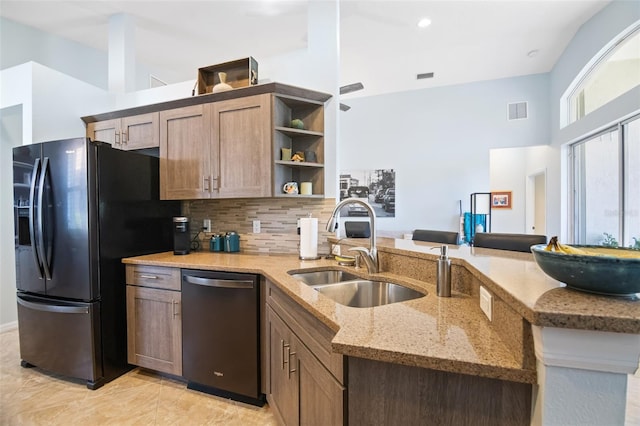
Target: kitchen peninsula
[{"x": 424, "y": 342}]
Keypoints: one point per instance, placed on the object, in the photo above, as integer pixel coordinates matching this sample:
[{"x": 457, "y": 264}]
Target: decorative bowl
[{"x": 612, "y": 271}]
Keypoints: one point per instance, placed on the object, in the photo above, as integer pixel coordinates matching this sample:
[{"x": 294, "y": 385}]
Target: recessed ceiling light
[
  {"x": 532, "y": 53},
  {"x": 424, "y": 22}
]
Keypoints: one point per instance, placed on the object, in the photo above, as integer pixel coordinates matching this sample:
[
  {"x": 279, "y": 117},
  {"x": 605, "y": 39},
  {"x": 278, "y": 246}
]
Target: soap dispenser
[{"x": 443, "y": 273}]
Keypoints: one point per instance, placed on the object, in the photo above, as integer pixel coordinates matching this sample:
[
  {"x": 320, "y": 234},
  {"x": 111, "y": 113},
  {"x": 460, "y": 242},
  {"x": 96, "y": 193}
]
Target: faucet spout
[{"x": 370, "y": 256}]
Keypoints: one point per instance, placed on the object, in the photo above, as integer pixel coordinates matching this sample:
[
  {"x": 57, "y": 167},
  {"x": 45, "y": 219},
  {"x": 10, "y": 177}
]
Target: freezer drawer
[{"x": 61, "y": 337}]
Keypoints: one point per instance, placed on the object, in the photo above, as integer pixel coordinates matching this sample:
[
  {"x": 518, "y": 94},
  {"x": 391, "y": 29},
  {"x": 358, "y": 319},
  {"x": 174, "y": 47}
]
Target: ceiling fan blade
[
  {"x": 354, "y": 87},
  {"x": 344, "y": 107}
]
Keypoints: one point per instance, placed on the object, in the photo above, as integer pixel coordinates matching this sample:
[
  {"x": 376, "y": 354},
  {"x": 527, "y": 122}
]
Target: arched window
[{"x": 611, "y": 73}]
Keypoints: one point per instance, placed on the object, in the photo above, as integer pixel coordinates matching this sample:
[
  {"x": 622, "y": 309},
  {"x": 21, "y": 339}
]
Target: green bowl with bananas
[{"x": 602, "y": 270}]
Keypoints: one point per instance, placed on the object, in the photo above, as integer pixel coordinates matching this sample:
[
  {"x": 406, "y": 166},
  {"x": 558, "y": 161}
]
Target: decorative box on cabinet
[
  {"x": 154, "y": 325},
  {"x": 240, "y": 73},
  {"x": 127, "y": 133},
  {"x": 309, "y": 138}
]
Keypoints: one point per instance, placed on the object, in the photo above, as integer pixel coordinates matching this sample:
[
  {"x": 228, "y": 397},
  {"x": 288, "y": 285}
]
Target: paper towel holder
[{"x": 313, "y": 255}]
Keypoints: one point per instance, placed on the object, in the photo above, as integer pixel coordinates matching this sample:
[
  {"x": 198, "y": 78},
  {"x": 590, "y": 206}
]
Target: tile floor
[{"x": 140, "y": 397}]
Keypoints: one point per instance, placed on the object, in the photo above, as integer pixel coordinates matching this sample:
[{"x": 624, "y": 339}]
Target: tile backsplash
[{"x": 278, "y": 221}]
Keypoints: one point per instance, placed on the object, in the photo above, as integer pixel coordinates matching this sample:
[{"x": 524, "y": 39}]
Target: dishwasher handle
[{"x": 215, "y": 282}]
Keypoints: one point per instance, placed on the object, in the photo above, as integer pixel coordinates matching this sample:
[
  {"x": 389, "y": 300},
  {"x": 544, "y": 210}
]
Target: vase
[{"x": 222, "y": 86}]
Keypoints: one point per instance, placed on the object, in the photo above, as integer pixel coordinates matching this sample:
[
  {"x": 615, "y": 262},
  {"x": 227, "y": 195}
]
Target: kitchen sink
[
  {"x": 366, "y": 293},
  {"x": 324, "y": 277},
  {"x": 349, "y": 290}
]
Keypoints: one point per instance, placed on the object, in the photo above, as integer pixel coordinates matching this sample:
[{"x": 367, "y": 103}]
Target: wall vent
[
  {"x": 517, "y": 111},
  {"x": 424, "y": 75}
]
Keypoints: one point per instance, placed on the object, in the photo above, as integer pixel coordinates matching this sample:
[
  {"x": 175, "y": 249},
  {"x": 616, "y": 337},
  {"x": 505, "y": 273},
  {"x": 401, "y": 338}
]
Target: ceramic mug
[{"x": 290, "y": 188}]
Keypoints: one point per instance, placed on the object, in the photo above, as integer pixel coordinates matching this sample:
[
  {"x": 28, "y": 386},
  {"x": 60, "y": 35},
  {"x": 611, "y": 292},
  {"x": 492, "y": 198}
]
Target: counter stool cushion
[
  {"x": 355, "y": 229},
  {"x": 446, "y": 237},
  {"x": 513, "y": 242}
]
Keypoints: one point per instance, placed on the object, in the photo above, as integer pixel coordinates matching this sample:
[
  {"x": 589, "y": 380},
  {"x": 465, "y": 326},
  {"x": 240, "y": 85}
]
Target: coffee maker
[{"x": 181, "y": 236}]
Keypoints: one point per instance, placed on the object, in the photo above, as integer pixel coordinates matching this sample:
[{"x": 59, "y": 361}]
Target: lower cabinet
[
  {"x": 302, "y": 390},
  {"x": 154, "y": 325}
]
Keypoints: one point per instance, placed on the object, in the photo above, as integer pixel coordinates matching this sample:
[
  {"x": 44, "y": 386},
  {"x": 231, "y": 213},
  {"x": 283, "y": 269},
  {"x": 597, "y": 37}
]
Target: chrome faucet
[{"x": 370, "y": 255}]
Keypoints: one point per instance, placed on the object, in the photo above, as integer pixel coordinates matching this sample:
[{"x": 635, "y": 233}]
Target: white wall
[
  {"x": 69, "y": 57},
  {"x": 593, "y": 37},
  {"x": 509, "y": 170},
  {"x": 10, "y": 136},
  {"x": 438, "y": 141}
]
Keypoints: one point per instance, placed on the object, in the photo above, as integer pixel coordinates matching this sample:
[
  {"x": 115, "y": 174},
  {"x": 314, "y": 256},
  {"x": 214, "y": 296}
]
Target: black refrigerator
[{"x": 79, "y": 208}]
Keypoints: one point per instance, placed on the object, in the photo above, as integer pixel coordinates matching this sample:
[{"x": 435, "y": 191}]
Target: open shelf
[{"x": 306, "y": 140}]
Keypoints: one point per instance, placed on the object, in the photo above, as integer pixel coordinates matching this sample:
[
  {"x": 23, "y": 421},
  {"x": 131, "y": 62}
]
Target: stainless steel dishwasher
[{"x": 220, "y": 334}]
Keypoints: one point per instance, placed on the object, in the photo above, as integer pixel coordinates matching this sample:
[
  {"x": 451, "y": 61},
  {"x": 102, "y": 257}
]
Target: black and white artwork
[{"x": 378, "y": 187}]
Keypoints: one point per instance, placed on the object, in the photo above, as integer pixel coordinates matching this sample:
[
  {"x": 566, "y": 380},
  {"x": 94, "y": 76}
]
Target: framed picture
[{"x": 501, "y": 200}]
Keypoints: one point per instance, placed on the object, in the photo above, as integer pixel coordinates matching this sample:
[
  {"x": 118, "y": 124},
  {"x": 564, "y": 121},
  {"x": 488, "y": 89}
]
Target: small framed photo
[{"x": 501, "y": 200}]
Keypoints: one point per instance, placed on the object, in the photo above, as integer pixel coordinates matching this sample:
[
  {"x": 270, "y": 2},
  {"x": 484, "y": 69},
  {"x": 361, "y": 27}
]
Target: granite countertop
[
  {"x": 447, "y": 334},
  {"x": 540, "y": 299}
]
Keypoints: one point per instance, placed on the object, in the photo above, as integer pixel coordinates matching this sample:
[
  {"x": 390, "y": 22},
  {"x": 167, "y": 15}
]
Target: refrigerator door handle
[
  {"x": 54, "y": 308},
  {"x": 43, "y": 256},
  {"x": 32, "y": 216},
  {"x": 210, "y": 282}
]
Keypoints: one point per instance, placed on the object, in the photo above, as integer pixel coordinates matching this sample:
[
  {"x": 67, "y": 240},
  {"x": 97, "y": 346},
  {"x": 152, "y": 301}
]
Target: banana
[
  {"x": 571, "y": 250},
  {"x": 554, "y": 245}
]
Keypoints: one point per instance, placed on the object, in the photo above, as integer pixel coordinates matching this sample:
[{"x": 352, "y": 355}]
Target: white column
[
  {"x": 582, "y": 376},
  {"x": 122, "y": 54},
  {"x": 323, "y": 20}
]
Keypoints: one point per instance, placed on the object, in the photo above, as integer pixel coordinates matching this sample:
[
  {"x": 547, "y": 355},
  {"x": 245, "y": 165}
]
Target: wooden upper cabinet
[
  {"x": 127, "y": 133},
  {"x": 105, "y": 131},
  {"x": 228, "y": 144},
  {"x": 185, "y": 153},
  {"x": 241, "y": 147},
  {"x": 140, "y": 131}
]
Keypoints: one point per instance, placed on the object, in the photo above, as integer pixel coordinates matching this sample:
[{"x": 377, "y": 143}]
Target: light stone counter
[
  {"x": 447, "y": 334},
  {"x": 541, "y": 300}
]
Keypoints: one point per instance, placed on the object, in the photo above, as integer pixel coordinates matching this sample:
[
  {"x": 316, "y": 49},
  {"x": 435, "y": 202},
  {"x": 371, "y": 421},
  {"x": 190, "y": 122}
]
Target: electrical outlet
[
  {"x": 256, "y": 226},
  {"x": 486, "y": 302},
  {"x": 207, "y": 225}
]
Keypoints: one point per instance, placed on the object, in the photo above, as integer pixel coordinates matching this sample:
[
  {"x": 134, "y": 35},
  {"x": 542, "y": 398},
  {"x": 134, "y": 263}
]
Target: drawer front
[
  {"x": 154, "y": 276},
  {"x": 314, "y": 334}
]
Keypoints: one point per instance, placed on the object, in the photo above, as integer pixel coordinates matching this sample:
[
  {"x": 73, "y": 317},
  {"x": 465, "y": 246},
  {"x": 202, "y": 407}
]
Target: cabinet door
[
  {"x": 185, "y": 166},
  {"x": 154, "y": 329},
  {"x": 321, "y": 397},
  {"x": 283, "y": 389},
  {"x": 106, "y": 131},
  {"x": 140, "y": 131},
  {"x": 241, "y": 150}
]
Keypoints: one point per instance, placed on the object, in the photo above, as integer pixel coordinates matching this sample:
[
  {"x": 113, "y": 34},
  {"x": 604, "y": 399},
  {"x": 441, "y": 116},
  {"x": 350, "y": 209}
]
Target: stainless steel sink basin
[
  {"x": 350, "y": 290},
  {"x": 324, "y": 277},
  {"x": 367, "y": 294}
]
